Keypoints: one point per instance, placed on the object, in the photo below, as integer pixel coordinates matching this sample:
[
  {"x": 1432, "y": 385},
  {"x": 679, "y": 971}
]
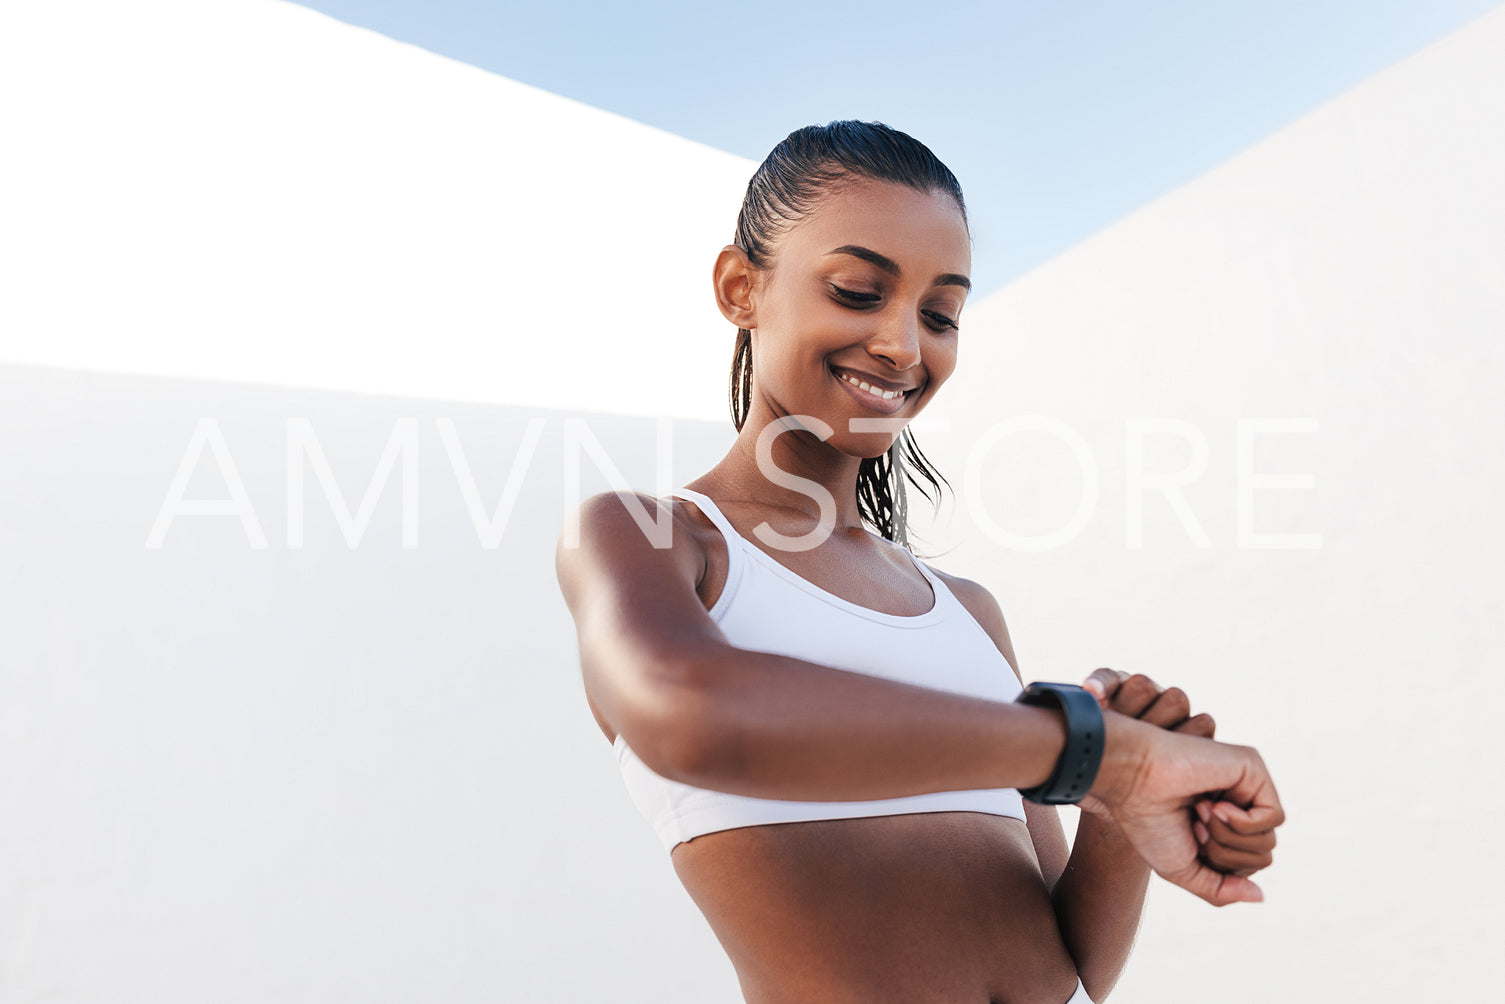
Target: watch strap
[{"x": 1076, "y": 769}]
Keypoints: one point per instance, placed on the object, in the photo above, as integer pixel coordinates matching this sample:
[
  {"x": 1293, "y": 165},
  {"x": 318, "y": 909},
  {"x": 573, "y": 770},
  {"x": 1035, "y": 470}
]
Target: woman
[{"x": 822, "y": 728}]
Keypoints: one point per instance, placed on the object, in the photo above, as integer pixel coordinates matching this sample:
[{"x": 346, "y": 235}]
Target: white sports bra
[{"x": 767, "y": 608}]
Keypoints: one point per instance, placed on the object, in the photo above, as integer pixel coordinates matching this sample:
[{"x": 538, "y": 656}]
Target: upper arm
[
  {"x": 641, "y": 625},
  {"x": 1044, "y": 821}
]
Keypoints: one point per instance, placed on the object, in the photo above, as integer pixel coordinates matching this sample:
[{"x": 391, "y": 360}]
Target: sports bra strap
[
  {"x": 735, "y": 542},
  {"x": 712, "y": 513}
]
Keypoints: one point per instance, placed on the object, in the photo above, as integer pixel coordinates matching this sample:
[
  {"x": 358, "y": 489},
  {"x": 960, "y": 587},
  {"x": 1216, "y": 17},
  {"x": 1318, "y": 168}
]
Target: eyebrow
[{"x": 892, "y": 268}]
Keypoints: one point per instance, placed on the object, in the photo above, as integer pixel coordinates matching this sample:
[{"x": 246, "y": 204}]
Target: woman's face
[{"x": 866, "y": 289}]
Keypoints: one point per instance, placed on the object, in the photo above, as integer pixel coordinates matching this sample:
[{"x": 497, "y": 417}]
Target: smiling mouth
[
  {"x": 878, "y": 390},
  {"x": 874, "y": 396},
  {"x": 887, "y": 395}
]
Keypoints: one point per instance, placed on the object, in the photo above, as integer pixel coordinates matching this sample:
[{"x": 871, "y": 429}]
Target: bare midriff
[{"x": 926, "y": 908}]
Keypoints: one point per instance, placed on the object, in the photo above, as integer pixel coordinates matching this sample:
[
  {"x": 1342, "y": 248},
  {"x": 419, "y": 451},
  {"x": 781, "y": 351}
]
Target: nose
[{"x": 896, "y": 340}]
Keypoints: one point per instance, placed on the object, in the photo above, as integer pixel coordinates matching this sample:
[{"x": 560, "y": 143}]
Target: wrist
[
  {"x": 1097, "y": 830},
  {"x": 1049, "y": 726},
  {"x": 1076, "y": 767},
  {"x": 1127, "y": 745}
]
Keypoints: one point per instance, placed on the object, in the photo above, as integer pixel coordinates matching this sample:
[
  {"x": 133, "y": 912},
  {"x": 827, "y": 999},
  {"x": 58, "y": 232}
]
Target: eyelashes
[
  {"x": 847, "y": 294},
  {"x": 856, "y": 299},
  {"x": 942, "y": 320}
]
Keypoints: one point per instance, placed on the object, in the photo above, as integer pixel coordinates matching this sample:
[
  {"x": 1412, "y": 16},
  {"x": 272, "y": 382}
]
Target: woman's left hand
[{"x": 1229, "y": 839}]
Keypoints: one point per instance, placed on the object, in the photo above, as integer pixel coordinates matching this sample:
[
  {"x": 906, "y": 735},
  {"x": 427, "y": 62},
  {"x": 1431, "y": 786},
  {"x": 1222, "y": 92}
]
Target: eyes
[{"x": 859, "y": 300}]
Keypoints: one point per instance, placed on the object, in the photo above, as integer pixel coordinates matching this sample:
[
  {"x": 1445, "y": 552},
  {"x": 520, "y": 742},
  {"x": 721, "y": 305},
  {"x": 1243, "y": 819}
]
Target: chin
[{"x": 869, "y": 447}]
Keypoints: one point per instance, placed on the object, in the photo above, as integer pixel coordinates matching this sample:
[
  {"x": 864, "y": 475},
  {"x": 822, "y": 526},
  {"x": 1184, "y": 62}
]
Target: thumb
[
  {"x": 1217, "y": 888},
  {"x": 1103, "y": 683}
]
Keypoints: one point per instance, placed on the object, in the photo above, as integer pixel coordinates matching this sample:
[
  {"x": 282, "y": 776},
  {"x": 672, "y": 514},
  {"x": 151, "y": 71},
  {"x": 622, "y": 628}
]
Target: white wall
[
  {"x": 1348, "y": 274},
  {"x": 249, "y": 190},
  {"x": 316, "y": 772},
  {"x": 332, "y": 773}
]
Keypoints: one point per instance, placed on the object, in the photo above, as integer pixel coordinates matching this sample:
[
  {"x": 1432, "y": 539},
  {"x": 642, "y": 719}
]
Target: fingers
[
  {"x": 1255, "y": 792},
  {"x": 1198, "y": 725},
  {"x": 1233, "y": 827},
  {"x": 1251, "y": 822},
  {"x": 1103, "y": 683},
  {"x": 1122, "y": 692},
  {"x": 1176, "y": 772},
  {"x": 1136, "y": 693},
  {"x": 1167, "y": 709},
  {"x": 1233, "y": 840},
  {"x": 1140, "y": 697},
  {"x": 1234, "y": 862},
  {"x": 1243, "y": 857},
  {"x": 1217, "y": 888}
]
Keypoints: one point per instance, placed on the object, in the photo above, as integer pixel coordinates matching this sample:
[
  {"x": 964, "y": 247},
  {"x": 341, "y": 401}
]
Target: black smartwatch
[{"x": 1077, "y": 768}]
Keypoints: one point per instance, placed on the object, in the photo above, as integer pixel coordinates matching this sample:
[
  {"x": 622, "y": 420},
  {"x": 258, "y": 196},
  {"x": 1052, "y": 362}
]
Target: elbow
[
  {"x": 1099, "y": 979},
  {"x": 1098, "y": 989},
  {"x": 676, "y": 729},
  {"x": 684, "y": 749}
]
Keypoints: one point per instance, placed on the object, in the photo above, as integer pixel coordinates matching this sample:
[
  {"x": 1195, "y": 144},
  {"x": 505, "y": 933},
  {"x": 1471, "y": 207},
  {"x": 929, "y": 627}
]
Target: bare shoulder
[
  {"x": 610, "y": 512},
  {"x": 985, "y": 610},
  {"x": 621, "y": 530},
  {"x": 628, "y": 566}
]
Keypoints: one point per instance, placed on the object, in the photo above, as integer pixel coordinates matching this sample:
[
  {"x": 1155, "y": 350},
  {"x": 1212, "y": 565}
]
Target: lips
[{"x": 871, "y": 391}]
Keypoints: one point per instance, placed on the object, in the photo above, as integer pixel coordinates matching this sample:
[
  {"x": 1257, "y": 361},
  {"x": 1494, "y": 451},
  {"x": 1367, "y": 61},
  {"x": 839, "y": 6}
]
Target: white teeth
[{"x": 887, "y": 395}]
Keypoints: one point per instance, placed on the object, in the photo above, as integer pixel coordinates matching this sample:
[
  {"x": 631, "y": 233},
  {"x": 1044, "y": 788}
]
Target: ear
[{"x": 733, "y": 281}]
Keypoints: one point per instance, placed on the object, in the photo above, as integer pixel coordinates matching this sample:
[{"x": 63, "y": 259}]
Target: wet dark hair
[{"x": 787, "y": 186}]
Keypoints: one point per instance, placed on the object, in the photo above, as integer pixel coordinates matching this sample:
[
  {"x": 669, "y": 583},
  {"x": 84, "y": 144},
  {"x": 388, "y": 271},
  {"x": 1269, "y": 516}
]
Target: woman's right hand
[
  {"x": 1231, "y": 840},
  {"x": 1140, "y": 697},
  {"x": 1150, "y": 781}
]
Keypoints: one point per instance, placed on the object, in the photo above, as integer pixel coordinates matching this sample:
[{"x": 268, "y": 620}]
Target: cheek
[
  {"x": 941, "y": 362},
  {"x": 778, "y": 366}
]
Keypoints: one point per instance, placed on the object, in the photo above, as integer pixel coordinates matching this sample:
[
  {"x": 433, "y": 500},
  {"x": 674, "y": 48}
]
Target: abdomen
[{"x": 947, "y": 907}]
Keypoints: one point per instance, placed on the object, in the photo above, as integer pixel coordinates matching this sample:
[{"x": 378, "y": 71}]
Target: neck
[{"x": 792, "y": 455}]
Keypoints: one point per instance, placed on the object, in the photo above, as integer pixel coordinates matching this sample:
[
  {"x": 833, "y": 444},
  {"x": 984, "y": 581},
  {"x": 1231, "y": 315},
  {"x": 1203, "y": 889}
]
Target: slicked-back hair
[{"x": 807, "y": 166}]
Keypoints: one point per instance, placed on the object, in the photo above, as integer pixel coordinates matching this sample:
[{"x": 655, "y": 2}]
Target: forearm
[
  {"x": 769, "y": 726},
  {"x": 1099, "y": 899}
]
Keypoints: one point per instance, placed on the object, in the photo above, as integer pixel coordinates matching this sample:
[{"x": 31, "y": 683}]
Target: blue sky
[{"x": 1058, "y": 118}]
